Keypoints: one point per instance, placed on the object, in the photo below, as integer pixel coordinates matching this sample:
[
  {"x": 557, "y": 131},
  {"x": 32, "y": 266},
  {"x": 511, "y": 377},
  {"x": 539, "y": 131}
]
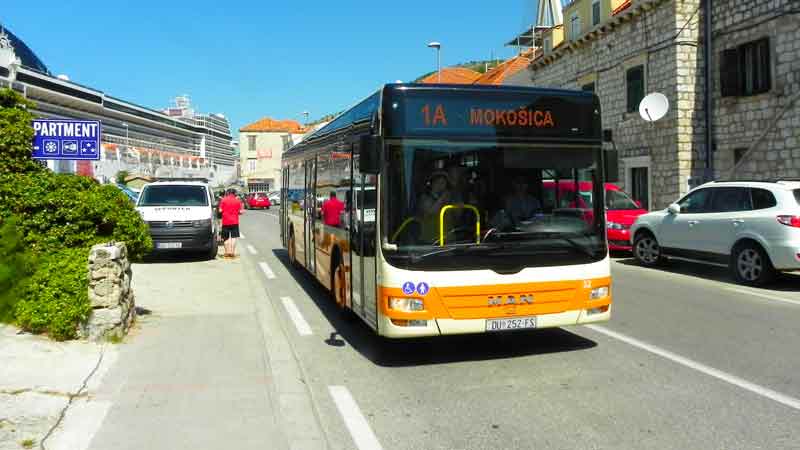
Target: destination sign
[{"x": 461, "y": 114}]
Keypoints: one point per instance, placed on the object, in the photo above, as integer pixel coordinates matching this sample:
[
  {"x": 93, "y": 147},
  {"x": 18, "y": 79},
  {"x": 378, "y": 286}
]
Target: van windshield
[{"x": 174, "y": 195}]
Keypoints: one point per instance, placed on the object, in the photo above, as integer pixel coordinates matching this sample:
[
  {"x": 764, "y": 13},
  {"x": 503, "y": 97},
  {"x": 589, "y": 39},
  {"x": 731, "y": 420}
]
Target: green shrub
[
  {"x": 55, "y": 299},
  {"x": 16, "y": 264},
  {"x": 58, "y": 211},
  {"x": 16, "y": 134}
]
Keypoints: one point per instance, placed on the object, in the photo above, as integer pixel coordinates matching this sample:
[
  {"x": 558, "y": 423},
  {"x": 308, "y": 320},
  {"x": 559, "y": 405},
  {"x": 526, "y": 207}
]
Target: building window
[
  {"x": 738, "y": 153},
  {"x": 251, "y": 165},
  {"x": 595, "y": 12},
  {"x": 588, "y": 87},
  {"x": 634, "y": 82},
  {"x": 640, "y": 185},
  {"x": 745, "y": 70},
  {"x": 251, "y": 143},
  {"x": 548, "y": 45},
  {"x": 574, "y": 27}
]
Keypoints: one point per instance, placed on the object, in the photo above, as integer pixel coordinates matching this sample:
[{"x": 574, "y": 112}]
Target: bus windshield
[{"x": 491, "y": 206}]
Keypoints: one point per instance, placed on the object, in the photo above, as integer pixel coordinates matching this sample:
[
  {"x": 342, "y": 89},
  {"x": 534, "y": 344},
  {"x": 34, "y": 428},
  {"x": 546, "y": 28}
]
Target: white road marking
[
  {"x": 303, "y": 329},
  {"x": 252, "y": 249},
  {"x": 356, "y": 423},
  {"x": 241, "y": 235},
  {"x": 758, "y": 294},
  {"x": 267, "y": 271},
  {"x": 718, "y": 374}
]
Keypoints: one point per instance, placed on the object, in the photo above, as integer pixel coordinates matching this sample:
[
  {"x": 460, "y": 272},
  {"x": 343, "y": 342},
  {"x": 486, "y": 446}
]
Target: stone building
[
  {"x": 625, "y": 49},
  {"x": 261, "y": 145}
]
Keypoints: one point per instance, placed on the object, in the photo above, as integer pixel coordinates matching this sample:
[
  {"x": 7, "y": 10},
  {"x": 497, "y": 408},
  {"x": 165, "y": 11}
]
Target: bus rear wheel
[{"x": 291, "y": 251}]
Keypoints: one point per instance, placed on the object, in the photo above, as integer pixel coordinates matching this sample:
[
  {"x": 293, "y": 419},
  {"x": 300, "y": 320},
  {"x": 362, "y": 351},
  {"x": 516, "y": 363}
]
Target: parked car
[
  {"x": 132, "y": 195},
  {"x": 621, "y": 210},
  {"x": 258, "y": 201},
  {"x": 180, "y": 215},
  {"x": 751, "y": 227},
  {"x": 274, "y": 197}
]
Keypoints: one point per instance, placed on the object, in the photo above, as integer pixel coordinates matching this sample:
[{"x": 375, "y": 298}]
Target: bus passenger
[
  {"x": 431, "y": 203},
  {"x": 332, "y": 210}
]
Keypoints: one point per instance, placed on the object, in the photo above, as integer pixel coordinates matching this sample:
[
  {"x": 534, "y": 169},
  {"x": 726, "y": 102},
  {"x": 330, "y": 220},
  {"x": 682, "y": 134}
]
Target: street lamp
[
  {"x": 438, "y": 48},
  {"x": 306, "y": 114}
]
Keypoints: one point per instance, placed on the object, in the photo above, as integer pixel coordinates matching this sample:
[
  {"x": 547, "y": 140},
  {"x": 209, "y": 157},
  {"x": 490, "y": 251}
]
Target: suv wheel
[
  {"x": 751, "y": 265},
  {"x": 646, "y": 250}
]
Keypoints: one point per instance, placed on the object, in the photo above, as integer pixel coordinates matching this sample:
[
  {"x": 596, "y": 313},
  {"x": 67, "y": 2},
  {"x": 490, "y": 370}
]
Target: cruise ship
[{"x": 139, "y": 140}]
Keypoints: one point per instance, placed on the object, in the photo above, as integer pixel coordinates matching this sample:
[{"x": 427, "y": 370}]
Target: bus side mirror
[
  {"x": 369, "y": 154},
  {"x": 611, "y": 159}
]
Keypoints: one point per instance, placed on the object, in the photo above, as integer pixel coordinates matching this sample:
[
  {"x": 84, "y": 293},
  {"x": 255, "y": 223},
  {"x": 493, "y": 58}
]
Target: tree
[
  {"x": 16, "y": 134},
  {"x": 122, "y": 176}
]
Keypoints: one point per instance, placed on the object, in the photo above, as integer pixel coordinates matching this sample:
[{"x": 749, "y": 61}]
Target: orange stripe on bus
[{"x": 472, "y": 302}]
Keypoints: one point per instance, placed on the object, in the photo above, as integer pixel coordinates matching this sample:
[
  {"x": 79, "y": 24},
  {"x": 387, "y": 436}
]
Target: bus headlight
[
  {"x": 598, "y": 293},
  {"x": 406, "y": 304}
]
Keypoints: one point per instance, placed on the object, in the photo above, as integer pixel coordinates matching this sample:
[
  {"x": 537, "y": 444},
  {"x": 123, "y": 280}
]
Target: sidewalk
[
  {"x": 208, "y": 366},
  {"x": 37, "y": 378}
]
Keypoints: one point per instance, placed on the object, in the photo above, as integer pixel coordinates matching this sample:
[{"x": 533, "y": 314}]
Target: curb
[{"x": 294, "y": 402}]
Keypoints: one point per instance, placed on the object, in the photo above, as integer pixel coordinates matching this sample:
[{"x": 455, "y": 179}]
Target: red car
[
  {"x": 258, "y": 201},
  {"x": 621, "y": 210}
]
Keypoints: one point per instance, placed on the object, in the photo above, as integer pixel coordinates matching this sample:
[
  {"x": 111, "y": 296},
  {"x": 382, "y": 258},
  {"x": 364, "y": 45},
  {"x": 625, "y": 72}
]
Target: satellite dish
[{"x": 653, "y": 107}]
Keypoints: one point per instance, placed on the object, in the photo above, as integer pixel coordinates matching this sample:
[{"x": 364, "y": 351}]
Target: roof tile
[{"x": 267, "y": 125}]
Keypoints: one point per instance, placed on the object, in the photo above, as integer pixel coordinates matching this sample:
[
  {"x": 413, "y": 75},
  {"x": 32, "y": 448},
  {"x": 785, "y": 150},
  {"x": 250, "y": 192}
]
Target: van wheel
[
  {"x": 646, "y": 250},
  {"x": 212, "y": 252},
  {"x": 751, "y": 265}
]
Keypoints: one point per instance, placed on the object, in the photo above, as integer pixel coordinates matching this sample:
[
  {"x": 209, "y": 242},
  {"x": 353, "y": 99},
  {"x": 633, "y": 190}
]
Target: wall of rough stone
[
  {"x": 110, "y": 293},
  {"x": 741, "y": 122},
  {"x": 663, "y": 35}
]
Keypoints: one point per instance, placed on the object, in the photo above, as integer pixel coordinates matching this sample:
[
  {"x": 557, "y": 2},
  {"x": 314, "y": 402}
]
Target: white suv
[{"x": 751, "y": 227}]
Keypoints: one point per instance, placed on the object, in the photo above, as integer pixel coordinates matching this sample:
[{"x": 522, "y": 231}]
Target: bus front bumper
[{"x": 393, "y": 328}]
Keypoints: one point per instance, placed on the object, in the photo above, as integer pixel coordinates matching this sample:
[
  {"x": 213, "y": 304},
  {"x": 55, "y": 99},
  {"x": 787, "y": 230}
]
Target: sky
[{"x": 251, "y": 59}]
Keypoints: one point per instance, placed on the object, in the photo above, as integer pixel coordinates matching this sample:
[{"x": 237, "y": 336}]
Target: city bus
[{"x": 446, "y": 226}]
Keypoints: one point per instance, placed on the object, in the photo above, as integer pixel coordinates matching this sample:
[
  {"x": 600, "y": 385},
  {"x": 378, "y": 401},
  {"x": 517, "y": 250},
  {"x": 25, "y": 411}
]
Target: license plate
[
  {"x": 514, "y": 323},
  {"x": 168, "y": 245}
]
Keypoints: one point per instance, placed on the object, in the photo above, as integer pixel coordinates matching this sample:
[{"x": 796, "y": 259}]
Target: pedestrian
[
  {"x": 332, "y": 210},
  {"x": 230, "y": 207}
]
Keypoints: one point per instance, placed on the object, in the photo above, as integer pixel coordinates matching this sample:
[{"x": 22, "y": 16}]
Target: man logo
[{"x": 498, "y": 300}]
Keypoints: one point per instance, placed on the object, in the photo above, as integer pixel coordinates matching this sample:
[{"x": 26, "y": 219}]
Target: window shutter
[
  {"x": 764, "y": 72},
  {"x": 730, "y": 82}
]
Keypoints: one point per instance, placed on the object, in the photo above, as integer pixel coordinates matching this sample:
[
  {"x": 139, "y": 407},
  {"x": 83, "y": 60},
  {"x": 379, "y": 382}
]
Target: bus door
[
  {"x": 310, "y": 216},
  {"x": 363, "y": 236},
  {"x": 283, "y": 210}
]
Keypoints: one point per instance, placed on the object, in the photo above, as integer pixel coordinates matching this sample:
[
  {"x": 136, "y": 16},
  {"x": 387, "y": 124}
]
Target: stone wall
[
  {"x": 110, "y": 293},
  {"x": 751, "y": 121},
  {"x": 661, "y": 35}
]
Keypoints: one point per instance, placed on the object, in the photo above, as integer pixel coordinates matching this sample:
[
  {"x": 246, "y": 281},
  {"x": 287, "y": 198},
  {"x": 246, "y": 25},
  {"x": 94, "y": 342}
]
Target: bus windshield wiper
[
  {"x": 460, "y": 249},
  {"x": 514, "y": 244}
]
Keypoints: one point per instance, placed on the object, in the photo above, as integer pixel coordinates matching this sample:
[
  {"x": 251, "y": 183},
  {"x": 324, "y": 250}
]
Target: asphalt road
[{"x": 690, "y": 360}]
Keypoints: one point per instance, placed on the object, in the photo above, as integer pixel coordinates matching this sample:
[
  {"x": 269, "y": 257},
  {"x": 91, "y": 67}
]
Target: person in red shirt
[
  {"x": 331, "y": 210},
  {"x": 230, "y": 207}
]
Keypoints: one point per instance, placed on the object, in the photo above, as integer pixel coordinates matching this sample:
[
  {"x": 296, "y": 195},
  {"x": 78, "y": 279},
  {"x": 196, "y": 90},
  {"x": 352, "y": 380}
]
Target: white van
[{"x": 180, "y": 215}]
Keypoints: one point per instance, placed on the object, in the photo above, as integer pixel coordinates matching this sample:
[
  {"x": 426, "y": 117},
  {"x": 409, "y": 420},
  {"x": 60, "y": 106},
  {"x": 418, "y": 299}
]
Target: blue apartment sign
[{"x": 66, "y": 139}]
